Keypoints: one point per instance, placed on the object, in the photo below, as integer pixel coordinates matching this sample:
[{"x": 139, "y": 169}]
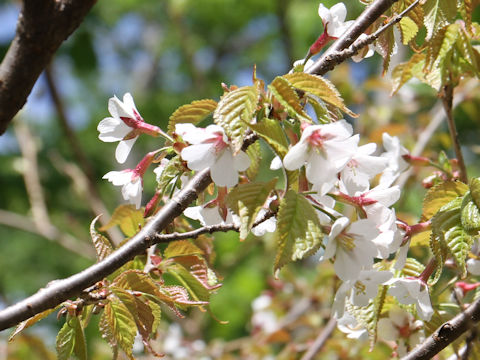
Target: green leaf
[
  {"x": 475, "y": 190},
  {"x": 234, "y": 111},
  {"x": 299, "y": 232},
  {"x": 412, "y": 268},
  {"x": 408, "y": 30},
  {"x": 117, "y": 325},
  {"x": 285, "y": 94},
  {"x": 254, "y": 152},
  {"x": 319, "y": 86},
  {"x": 191, "y": 113},
  {"x": 31, "y": 321},
  {"x": 271, "y": 131},
  {"x": 246, "y": 200},
  {"x": 405, "y": 71},
  {"x": 181, "y": 248},
  {"x": 103, "y": 247},
  {"x": 440, "y": 46},
  {"x": 448, "y": 233},
  {"x": 385, "y": 45},
  {"x": 71, "y": 339},
  {"x": 128, "y": 218},
  {"x": 441, "y": 194},
  {"x": 438, "y": 13},
  {"x": 172, "y": 171},
  {"x": 470, "y": 214}
]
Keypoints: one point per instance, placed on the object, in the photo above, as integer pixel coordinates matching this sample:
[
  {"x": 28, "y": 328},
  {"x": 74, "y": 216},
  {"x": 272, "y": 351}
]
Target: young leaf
[
  {"x": 31, "y": 321},
  {"x": 173, "y": 169},
  {"x": 128, "y": 218},
  {"x": 470, "y": 214},
  {"x": 71, "y": 339},
  {"x": 103, "y": 246},
  {"x": 181, "y": 248},
  {"x": 405, "y": 71},
  {"x": 319, "y": 86},
  {"x": 284, "y": 92},
  {"x": 408, "y": 30},
  {"x": 234, "y": 111},
  {"x": 298, "y": 233},
  {"x": 246, "y": 200},
  {"x": 117, "y": 325},
  {"x": 441, "y": 194},
  {"x": 254, "y": 152},
  {"x": 191, "y": 113},
  {"x": 412, "y": 268},
  {"x": 438, "y": 13},
  {"x": 271, "y": 131},
  {"x": 475, "y": 190}
]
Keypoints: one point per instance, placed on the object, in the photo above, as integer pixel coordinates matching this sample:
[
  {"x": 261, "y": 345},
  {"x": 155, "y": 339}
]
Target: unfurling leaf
[
  {"x": 181, "y": 248},
  {"x": 31, "y": 321},
  {"x": 234, "y": 111},
  {"x": 438, "y": 13},
  {"x": 128, "y": 218},
  {"x": 475, "y": 190},
  {"x": 412, "y": 268},
  {"x": 298, "y": 233},
  {"x": 191, "y": 113},
  {"x": 103, "y": 246},
  {"x": 318, "y": 86},
  {"x": 172, "y": 171},
  {"x": 470, "y": 214},
  {"x": 285, "y": 94},
  {"x": 271, "y": 131},
  {"x": 254, "y": 152},
  {"x": 441, "y": 194},
  {"x": 117, "y": 325},
  {"x": 71, "y": 339},
  {"x": 246, "y": 200}
]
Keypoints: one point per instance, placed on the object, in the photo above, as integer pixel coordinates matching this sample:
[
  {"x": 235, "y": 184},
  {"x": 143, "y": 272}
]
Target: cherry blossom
[
  {"x": 396, "y": 163},
  {"x": 131, "y": 185},
  {"x": 351, "y": 246},
  {"x": 210, "y": 215},
  {"x": 131, "y": 180},
  {"x": 210, "y": 148},
  {"x": 412, "y": 291},
  {"x": 358, "y": 172},
  {"x": 333, "y": 19},
  {"x": 359, "y": 291},
  {"x": 401, "y": 327},
  {"x": 124, "y": 126},
  {"x": 473, "y": 265},
  {"x": 350, "y": 326},
  {"x": 325, "y": 150}
]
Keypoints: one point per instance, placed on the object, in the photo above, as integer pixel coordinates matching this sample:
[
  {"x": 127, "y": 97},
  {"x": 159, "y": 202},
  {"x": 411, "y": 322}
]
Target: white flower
[
  {"x": 276, "y": 163},
  {"x": 473, "y": 266},
  {"x": 210, "y": 149},
  {"x": 268, "y": 225},
  {"x": 349, "y": 325},
  {"x": 390, "y": 238},
  {"x": 209, "y": 216},
  {"x": 365, "y": 52},
  {"x": 131, "y": 185},
  {"x": 298, "y": 66},
  {"x": 351, "y": 246},
  {"x": 412, "y": 291},
  {"x": 333, "y": 19},
  {"x": 359, "y": 291},
  {"x": 401, "y": 327},
  {"x": 358, "y": 172},
  {"x": 325, "y": 149},
  {"x": 396, "y": 163}
]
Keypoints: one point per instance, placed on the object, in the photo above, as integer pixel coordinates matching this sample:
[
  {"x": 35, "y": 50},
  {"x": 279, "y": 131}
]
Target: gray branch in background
[{"x": 41, "y": 28}]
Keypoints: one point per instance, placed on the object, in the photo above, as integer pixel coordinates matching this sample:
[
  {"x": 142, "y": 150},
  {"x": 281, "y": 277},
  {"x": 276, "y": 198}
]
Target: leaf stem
[{"x": 447, "y": 99}]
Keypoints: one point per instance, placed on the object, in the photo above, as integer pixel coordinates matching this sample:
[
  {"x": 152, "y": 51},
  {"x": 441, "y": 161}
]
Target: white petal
[
  {"x": 386, "y": 330},
  {"x": 199, "y": 157},
  {"x": 296, "y": 156},
  {"x": 223, "y": 172},
  {"x": 132, "y": 192},
  {"x": 276, "y": 163},
  {"x": 118, "y": 178},
  {"x": 123, "y": 149},
  {"x": 424, "y": 306},
  {"x": 339, "y": 11},
  {"x": 324, "y": 14},
  {"x": 241, "y": 161},
  {"x": 194, "y": 212},
  {"x": 473, "y": 266}
]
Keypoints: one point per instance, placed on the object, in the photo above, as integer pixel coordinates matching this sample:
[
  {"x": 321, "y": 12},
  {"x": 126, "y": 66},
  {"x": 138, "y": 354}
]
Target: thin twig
[
  {"x": 320, "y": 340},
  {"x": 447, "y": 100}
]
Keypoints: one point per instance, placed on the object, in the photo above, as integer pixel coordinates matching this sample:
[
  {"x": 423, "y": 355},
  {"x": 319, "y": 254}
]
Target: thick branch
[
  {"x": 447, "y": 333},
  {"x": 42, "y": 27}
]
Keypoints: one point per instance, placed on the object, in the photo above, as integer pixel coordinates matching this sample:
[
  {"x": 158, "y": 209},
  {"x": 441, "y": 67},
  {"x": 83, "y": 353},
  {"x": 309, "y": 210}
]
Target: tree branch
[
  {"x": 60, "y": 290},
  {"x": 41, "y": 28},
  {"x": 446, "y": 333}
]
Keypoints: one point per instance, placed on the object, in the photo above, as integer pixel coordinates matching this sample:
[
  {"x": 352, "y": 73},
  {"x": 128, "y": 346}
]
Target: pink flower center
[
  {"x": 317, "y": 139},
  {"x": 217, "y": 141}
]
